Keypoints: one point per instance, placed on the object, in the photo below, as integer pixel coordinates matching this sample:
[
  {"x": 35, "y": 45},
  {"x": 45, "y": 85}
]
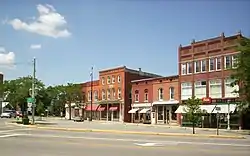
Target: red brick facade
[{"x": 207, "y": 60}]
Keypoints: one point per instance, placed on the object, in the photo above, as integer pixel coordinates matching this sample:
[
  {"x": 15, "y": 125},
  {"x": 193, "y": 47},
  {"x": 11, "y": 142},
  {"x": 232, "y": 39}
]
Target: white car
[{"x": 6, "y": 115}]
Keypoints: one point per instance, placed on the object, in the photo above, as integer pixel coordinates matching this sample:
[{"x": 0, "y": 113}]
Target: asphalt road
[{"x": 29, "y": 142}]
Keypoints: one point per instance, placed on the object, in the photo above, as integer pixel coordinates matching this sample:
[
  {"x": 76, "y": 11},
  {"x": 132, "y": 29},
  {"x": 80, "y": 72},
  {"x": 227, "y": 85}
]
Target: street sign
[
  {"x": 30, "y": 100},
  {"x": 29, "y": 109},
  {"x": 29, "y": 105}
]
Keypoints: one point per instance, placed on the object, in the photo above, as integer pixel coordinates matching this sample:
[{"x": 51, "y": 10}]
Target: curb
[{"x": 131, "y": 132}]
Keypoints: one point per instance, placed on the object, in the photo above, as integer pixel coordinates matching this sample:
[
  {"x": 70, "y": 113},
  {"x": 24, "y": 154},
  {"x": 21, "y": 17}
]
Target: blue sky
[{"x": 110, "y": 33}]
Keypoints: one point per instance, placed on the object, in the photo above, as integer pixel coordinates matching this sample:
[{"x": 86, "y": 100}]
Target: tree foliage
[
  {"x": 52, "y": 98},
  {"x": 193, "y": 111},
  {"x": 241, "y": 73}
]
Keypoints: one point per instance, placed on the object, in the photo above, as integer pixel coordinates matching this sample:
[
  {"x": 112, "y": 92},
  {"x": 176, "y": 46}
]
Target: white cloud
[
  {"x": 35, "y": 46},
  {"x": 6, "y": 58},
  {"x": 48, "y": 23}
]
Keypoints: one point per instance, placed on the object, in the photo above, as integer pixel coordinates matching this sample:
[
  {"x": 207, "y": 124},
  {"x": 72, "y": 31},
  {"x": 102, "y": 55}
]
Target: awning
[
  {"x": 145, "y": 110},
  {"x": 101, "y": 108},
  {"x": 169, "y": 102},
  {"x": 224, "y": 108},
  {"x": 137, "y": 105},
  {"x": 181, "y": 109},
  {"x": 88, "y": 107},
  {"x": 113, "y": 108},
  {"x": 210, "y": 108},
  {"x": 133, "y": 110}
]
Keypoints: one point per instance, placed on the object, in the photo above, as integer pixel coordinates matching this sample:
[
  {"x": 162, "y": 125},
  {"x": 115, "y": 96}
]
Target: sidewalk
[{"x": 130, "y": 128}]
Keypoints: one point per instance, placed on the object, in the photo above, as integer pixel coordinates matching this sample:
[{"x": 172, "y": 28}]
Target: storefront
[
  {"x": 141, "y": 113},
  {"x": 164, "y": 112},
  {"x": 226, "y": 111},
  {"x": 110, "y": 111}
]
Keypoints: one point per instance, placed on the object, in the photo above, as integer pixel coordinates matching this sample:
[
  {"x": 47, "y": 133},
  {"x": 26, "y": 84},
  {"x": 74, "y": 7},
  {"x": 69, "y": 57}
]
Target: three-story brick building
[{"x": 205, "y": 70}]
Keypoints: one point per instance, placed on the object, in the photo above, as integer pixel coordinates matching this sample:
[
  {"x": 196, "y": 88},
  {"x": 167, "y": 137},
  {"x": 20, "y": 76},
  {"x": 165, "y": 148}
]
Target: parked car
[{"x": 6, "y": 115}]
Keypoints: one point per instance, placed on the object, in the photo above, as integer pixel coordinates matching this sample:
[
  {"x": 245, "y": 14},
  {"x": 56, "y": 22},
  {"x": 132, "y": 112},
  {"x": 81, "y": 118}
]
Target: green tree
[
  {"x": 40, "y": 108},
  {"x": 73, "y": 94},
  {"x": 241, "y": 73},
  {"x": 193, "y": 111},
  {"x": 19, "y": 90}
]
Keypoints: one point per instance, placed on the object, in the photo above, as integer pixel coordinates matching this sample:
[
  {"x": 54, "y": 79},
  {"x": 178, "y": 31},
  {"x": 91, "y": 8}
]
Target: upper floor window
[
  {"x": 95, "y": 95},
  {"x": 227, "y": 62},
  {"x": 103, "y": 81},
  {"x": 103, "y": 95},
  {"x": 218, "y": 63},
  {"x": 197, "y": 66},
  {"x": 160, "y": 94},
  {"x": 183, "y": 69},
  {"x": 113, "y": 91},
  {"x": 211, "y": 64},
  {"x": 119, "y": 93},
  {"x": 108, "y": 80},
  {"x": 113, "y": 79},
  {"x": 119, "y": 79},
  {"x": 136, "y": 96},
  {"x": 108, "y": 94},
  {"x": 190, "y": 67},
  {"x": 89, "y": 95},
  {"x": 171, "y": 90},
  {"x": 146, "y": 95},
  {"x": 203, "y": 65},
  {"x": 234, "y": 61}
]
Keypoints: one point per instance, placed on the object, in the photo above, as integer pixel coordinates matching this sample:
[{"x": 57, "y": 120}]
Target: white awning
[
  {"x": 133, "y": 110},
  {"x": 145, "y": 110},
  {"x": 169, "y": 102},
  {"x": 141, "y": 105},
  {"x": 210, "y": 108},
  {"x": 224, "y": 108},
  {"x": 181, "y": 109}
]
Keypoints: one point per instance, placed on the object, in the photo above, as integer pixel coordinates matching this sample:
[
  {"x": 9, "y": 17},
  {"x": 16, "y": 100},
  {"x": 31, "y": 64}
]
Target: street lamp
[
  {"x": 91, "y": 93},
  {"x": 217, "y": 114},
  {"x": 228, "y": 114}
]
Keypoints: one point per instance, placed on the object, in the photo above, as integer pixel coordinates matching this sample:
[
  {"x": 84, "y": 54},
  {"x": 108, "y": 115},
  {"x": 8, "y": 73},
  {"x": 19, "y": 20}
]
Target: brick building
[
  {"x": 155, "y": 100},
  {"x": 204, "y": 72},
  {"x": 114, "y": 92}
]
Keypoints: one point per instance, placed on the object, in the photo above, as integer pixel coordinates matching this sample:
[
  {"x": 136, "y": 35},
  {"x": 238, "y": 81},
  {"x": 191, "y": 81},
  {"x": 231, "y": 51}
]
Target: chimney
[
  {"x": 193, "y": 41},
  {"x": 140, "y": 72},
  {"x": 222, "y": 34}
]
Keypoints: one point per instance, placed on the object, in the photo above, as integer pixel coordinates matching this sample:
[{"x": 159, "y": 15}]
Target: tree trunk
[
  {"x": 69, "y": 110},
  {"x": 193, "y": 128}
]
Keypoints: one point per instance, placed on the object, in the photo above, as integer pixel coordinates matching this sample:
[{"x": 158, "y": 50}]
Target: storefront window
[{"x": 160, "y": 112}]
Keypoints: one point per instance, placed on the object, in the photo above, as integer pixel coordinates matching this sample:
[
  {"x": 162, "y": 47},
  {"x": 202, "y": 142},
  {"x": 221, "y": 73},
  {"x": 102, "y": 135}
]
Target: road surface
[{"x": 29, "y": 142}]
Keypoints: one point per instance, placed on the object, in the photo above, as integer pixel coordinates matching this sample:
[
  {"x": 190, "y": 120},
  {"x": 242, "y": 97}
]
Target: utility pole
[
  {"x": 33, "y": 91},
  {"x": 91, "y": 93}
]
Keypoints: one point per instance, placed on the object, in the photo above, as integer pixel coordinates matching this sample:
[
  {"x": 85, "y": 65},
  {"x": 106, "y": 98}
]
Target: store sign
[{"x": 207, "y": 100}]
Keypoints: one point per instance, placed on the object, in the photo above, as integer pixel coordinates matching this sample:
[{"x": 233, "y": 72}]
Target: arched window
[
  {"x": 146, "y": 95},
  {"x": 95, "y": 95},
  {"x": 137, "y": 96},
  {"x": 108, "y": 80},
  {"x": 160, "y": 94},
  {"x": 108, "y": 94},
  {"x": 103, "y": 95}
]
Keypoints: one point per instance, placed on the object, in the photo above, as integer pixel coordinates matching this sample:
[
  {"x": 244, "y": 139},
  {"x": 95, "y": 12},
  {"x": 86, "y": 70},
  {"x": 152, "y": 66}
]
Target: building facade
[
  {"x": 142, "y": 99},
  {"x": 112, "y": 93},
  {"x": 155, "y": 100},
  {"x": 165, "y": 99},
  {"x": 205, "y": 70}
]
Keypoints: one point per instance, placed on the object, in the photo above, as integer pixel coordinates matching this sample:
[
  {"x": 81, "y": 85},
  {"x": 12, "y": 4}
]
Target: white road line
[
  {"x": 142, "y": 141},
  {"x": 9, "y": 135},
  {"x": 14, "y": 130}
]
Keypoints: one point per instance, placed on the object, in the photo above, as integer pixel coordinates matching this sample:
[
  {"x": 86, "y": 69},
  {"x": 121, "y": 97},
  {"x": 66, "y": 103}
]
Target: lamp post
[
  {"x": 217, "y": 114},
  {"x": 91, "y": 92},
  {"x": 33, "y": 91},
  {"x": 228, "y": 114}
]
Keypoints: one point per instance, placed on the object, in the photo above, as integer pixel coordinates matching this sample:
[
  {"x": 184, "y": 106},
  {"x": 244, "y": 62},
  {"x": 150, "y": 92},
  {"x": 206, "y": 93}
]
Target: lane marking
[
  {"x": 149, "y": 144},
  {"x": 9, "y": 135},
  {"x": 14, "y": 130},
  {"x": 138, "y": 140}
]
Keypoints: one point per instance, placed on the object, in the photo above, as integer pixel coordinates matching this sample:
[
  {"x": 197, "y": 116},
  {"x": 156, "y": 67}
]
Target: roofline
[
  {"x": 211, "y": 40},
  {"x": 108, "y": 69},
  {"x": 155, "y": 78}
]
